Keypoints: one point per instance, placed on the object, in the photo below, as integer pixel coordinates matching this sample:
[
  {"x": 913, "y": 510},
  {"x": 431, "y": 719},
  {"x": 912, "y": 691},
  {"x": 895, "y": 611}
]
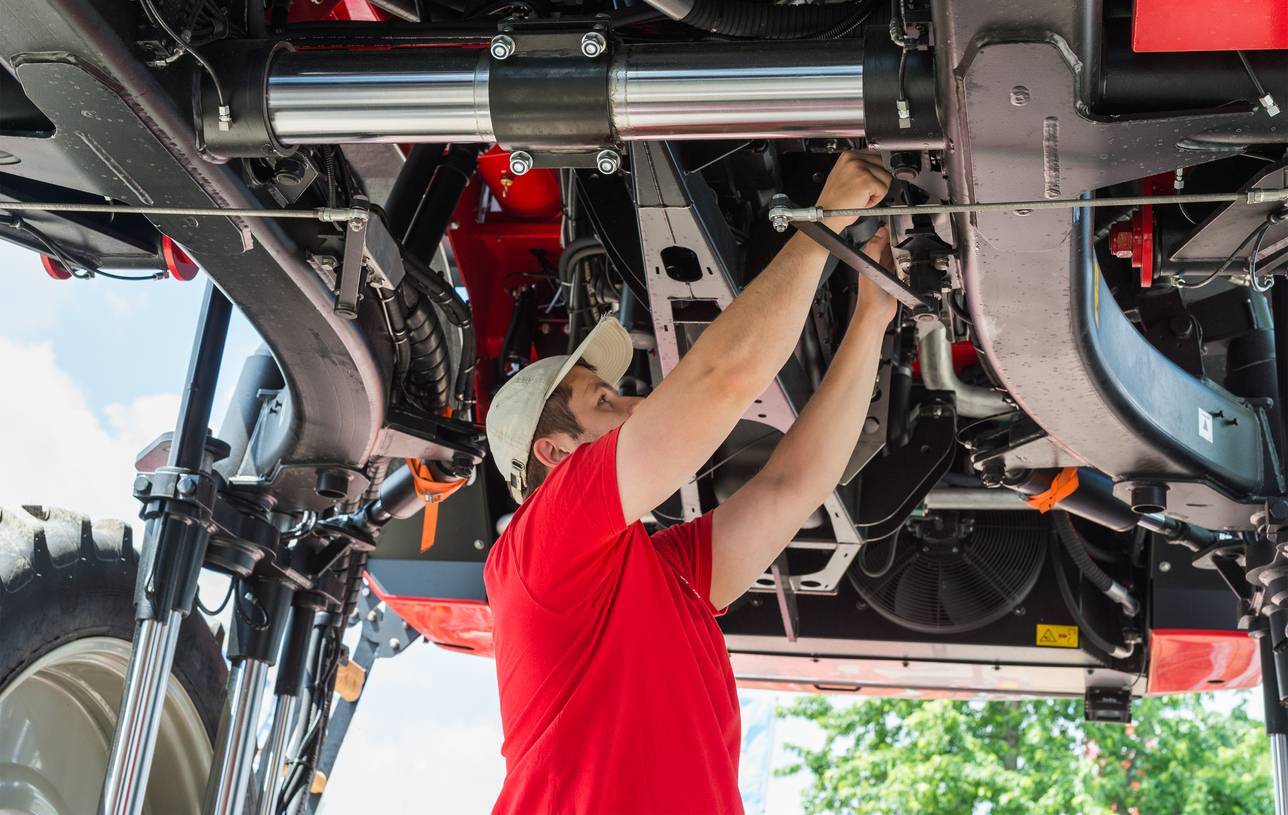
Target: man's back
[{"x": 617, "y": 696}]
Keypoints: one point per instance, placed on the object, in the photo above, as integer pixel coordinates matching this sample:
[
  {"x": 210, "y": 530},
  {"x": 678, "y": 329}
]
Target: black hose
[
  {"x": 1076, "y": 546},
  {"x": 444, "y": 295},
  {"x": 571, "y": 258},
  {"x": 410, "y": 186},
  {"x": 428, "y": 369},
  {"x": 738, "y": 18},
  {"x": 1071, "y": 603}
]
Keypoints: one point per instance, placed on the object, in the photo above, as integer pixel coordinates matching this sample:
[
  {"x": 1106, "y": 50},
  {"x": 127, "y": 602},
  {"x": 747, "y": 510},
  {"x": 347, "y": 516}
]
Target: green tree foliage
[{"x": 894, "y": 756}]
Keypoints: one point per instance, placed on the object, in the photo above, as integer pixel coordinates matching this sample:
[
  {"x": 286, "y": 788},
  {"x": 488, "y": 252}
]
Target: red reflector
[
  {"x": 459, "y": 625},
  {"x": 1209, "y": 25},
  {"x": 177, "y": 262},
  {"x": 54, "y": 268},
  {"x": 1188, "y": 661}
]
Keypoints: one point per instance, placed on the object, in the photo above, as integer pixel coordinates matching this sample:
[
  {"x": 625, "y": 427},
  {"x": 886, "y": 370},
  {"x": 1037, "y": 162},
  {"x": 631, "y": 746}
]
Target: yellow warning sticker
[{"x": 1057, "y": 636}]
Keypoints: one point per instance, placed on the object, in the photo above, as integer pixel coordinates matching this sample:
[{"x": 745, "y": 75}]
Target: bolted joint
[
  {"x": 226, "y": 117},
  {"x": 501, "y": 47},
  {"x": 593, "y": 44},
  {"x": 608, "y": 161},
  {"x": 1268, "y": 103},
  {"x": 520, "y": 162}
]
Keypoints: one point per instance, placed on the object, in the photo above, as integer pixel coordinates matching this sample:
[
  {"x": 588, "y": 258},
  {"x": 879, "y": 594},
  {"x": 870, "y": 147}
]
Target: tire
[{"x": 66, "y": 621}]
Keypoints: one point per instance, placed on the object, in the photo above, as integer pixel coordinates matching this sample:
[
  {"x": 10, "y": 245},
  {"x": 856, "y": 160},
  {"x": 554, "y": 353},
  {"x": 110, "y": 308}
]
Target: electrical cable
[
  {"x": 1263, "y": 97},
  {"x": 1225, "y": 264},
  {"x": 225, "y": 113},
  {"x": 889, "y": 561},
  {"x": 215, "y": 612}
]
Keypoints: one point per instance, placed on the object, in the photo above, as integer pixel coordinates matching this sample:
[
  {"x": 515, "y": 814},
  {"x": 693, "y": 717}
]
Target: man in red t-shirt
[{"x": 616, "y": 690}]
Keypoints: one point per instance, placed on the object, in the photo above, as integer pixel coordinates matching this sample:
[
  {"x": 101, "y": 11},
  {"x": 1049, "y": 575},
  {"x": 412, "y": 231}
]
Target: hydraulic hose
[
  {"x": 1076, "y": 546},
  {"x": 573, "y": 255},
  {"x": 429, "y": 369},
  {"x": 442, "y": 294},
  {"x": 738, "y": 18},
  {"x": 1071, "y": 603}
]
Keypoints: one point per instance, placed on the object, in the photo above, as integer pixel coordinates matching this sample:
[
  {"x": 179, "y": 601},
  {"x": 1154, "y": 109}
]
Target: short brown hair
[{"x": 556, "y": 417}]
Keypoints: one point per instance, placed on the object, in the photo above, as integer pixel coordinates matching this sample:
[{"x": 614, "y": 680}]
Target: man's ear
[{"x": 550, "y": 450}]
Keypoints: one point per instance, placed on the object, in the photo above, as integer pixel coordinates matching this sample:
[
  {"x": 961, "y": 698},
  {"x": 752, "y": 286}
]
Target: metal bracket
[
  {"x": 353, "y": 268},
  {"x": 786, "y": 596}
]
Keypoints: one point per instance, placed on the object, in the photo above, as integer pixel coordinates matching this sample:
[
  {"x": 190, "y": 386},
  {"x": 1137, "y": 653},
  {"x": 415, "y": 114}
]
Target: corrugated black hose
[
  {"x": 1071, "y": 603},
  {"x": 429, "y": 370},
  {"x": 444, "y": 295},
  {"x": 738, "y": 18}
]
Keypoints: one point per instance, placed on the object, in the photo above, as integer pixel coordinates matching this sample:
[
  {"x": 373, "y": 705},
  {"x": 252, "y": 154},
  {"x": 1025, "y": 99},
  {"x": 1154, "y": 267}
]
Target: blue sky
[{"x": 91, "y": 373}]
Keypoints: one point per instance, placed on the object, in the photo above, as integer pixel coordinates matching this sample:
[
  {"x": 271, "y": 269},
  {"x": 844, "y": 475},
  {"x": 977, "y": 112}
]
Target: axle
[{"x": 541, "y": 99}]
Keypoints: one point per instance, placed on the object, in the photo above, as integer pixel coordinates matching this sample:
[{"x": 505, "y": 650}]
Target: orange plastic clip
[
  {"x": 433, "y": 493},
  {"x": 1062, "y": 486}
]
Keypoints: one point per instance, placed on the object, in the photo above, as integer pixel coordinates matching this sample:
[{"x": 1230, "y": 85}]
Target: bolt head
[
  {"x": 608, "y": 162},
  {"x": 1164, "y": 566},
  {"x": 187, "y": 485},
  {"x": 478, "y": 544},
  {"x": 502, "y": 46},
  {"x": 1020, "y": 96},
  {"x": 142, "y": 485},
  {"x": 520, "y": 162},
  {"x": 593, "y": 44}
]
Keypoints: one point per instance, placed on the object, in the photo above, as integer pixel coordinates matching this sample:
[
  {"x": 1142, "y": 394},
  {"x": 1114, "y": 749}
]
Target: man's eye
[{"x": 603, "y": 400}]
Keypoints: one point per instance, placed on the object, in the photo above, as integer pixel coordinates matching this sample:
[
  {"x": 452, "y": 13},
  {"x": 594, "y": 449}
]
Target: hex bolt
[
  {"x": 187, "y": 485},
  {"x": 502, "y": 46},
  {"x": 592, "y": 44},
  {"x": 520, "y": 162},
  {"x": 1019, "y": 96},
  {"x": 1164, "y": 566},
  {"x": 478, "y": 544},
  {"x": 142, "y": 485},
  {"x": 608, "y": 161}
]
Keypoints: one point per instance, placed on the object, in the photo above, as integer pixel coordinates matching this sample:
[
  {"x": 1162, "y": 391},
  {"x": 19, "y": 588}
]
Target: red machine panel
[
  {"x": 1209, "y": 25},
  {"x": 1189, "y": 661}
]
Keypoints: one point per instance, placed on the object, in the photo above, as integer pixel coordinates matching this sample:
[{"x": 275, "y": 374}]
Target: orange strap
[
  {"x": 1062, "y": 486},
  {"x": 433, "y": 493}
]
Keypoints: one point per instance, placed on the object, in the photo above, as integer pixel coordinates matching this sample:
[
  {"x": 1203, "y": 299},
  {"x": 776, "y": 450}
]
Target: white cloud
[{"x": 56, "y": 450}]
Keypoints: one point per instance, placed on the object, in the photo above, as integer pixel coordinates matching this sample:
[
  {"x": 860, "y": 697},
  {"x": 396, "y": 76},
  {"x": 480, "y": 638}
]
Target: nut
[
  {"x": 502, "y": 46},
  {"x": 520, "y": 162},
  {"x": 608, "y": 162},
  {"x": 593, "y": 44}
]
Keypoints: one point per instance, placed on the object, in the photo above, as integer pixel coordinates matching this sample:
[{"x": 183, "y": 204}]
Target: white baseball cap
[{"x": 512, "y": 418}]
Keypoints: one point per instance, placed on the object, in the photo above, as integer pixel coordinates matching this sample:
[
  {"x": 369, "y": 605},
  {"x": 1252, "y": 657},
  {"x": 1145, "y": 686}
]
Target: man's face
[{"x": 599, "y": 408}]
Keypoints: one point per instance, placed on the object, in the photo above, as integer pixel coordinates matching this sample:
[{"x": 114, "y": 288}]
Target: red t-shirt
[{"x": 616, "y": 691}]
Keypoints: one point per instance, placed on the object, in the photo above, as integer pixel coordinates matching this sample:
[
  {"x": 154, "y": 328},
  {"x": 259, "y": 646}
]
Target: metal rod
[
  {"x": 142, "y": 701},
  {"x": 270, "y": 762},
  {"x": 780, "y": 216},
  {"x": 327, "y": 214},
  {"x": 1279, "y": 770},
  {"x": 980, "y": 498},
  {"x": 231, "y": 769}
]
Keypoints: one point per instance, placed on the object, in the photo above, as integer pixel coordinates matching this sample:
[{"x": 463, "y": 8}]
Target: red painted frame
[{"x": 1209, "y": 25}]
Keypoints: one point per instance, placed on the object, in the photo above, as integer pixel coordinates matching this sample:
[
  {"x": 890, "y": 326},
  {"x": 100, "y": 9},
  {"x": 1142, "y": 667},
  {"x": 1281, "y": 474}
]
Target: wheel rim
[{"x": 56, "y": 725}]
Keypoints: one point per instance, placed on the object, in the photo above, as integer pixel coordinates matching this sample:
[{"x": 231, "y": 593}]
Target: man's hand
[
  {"x": 857, "y": 181},
  {"x": 875, "y": 303}
]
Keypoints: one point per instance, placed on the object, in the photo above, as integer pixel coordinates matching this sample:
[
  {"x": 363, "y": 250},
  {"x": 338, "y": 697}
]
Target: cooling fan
[{"x": 952, "y": 573}]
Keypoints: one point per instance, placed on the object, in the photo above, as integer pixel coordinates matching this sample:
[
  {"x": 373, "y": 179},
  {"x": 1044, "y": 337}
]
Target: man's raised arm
[{"x": 695, "y": 407}]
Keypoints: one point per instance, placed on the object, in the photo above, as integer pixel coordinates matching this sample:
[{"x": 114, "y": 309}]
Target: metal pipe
[
  {"x": 126, "y": 781},
  {"x": 270, "y": 762},
  {"x": 1279, "y": 770},
  {"x": 980, "y": 498},
  {"x": 937, "y": 372},
  {"x": 231, "y": 769},
  {"x": 672, "y": 91}
]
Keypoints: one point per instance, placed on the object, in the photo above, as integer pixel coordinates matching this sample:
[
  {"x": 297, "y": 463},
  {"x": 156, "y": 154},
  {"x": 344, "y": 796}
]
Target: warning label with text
[{"x": 1057, "y": 636}]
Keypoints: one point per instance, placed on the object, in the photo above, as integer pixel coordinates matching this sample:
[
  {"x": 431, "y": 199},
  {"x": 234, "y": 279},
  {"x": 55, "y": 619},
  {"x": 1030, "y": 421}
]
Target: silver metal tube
[
  {"x": 1279, "y": 770},
  {"x": 270, "y": 761},
  {"x": 675, "y": 9},
  {"x": 738, "y": 90},
  {"x": 673, "y": 91},
  {"x": 232, "y": 766},
  {"x": 404, "y": 95},
  {"x": 142, "y": 702},
  {"x": 975, "y": 498},
  {"x": 937, "y": 372}
]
